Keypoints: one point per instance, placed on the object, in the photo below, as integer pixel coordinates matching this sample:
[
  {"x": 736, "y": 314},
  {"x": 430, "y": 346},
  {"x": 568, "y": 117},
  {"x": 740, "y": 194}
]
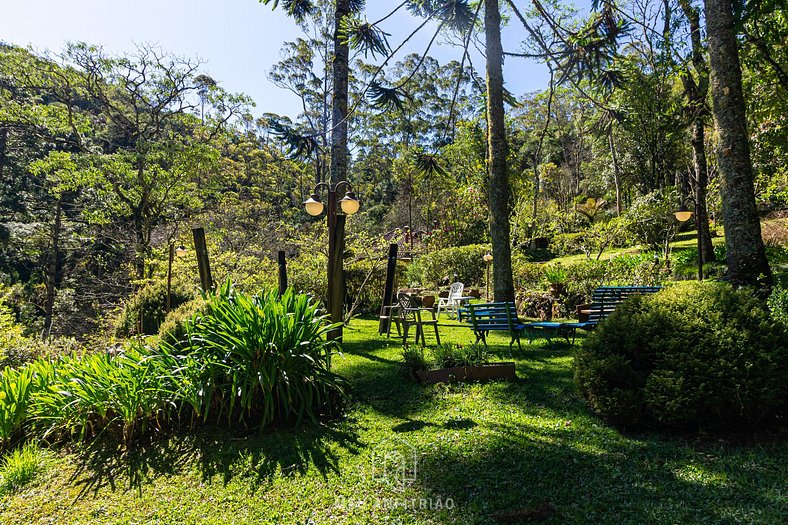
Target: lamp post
[
  {"x": 180, "y": 251},
  {"x": 683, "y": 215},
  {"x": 488, "y": 260},
  {"x": 348, "y": 205}
]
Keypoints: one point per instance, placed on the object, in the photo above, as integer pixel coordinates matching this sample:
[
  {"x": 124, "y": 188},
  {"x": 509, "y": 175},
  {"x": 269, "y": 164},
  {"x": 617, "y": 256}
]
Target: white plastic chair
[{"x": 451, "y": 302}]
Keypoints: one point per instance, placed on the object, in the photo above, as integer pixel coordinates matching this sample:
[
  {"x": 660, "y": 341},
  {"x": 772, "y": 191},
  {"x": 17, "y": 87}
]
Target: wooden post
[
  {"x": 202, "y": 259},
  {"x": 282, "y": 272},
  {"x": 388, "y": 289}
]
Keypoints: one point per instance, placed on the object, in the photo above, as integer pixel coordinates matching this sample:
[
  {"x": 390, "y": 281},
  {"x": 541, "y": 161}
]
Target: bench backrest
[
  {"x": 492, "y": 316},
  {"x": 605, "y": 299}
]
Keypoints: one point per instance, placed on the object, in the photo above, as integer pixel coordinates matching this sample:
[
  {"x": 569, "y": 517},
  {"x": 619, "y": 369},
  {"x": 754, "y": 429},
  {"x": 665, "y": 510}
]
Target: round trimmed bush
[
  {"x": 695, "y": 355},
  {"x": 175, "y": 328},
  {"x": 144, "y": 311}
]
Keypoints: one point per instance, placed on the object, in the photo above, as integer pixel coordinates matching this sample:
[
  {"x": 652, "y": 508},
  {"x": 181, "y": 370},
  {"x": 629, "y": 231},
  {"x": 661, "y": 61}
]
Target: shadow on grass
[
  {"x": 520, "y": 468},
  {"x": 377, "y": 378},
  {"x": 215, "y": 453}
]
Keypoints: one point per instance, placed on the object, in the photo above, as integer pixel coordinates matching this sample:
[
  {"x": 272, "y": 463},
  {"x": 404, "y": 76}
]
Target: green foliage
[
  {"x": 778, "y": 304},
  {"x": 465, "y": 261},
  {"x": 122, "y": 394},
  {"x": 414, "y": 359},
  {"x": 555, "y": 274},
  {"x": 20, "y": 467},
  {"x": 695, "y": 355},
  {"x": 414, "y": 273},
  {"x": 445, "y": 355},
  {"x": 15, "y": 347},
  {"x": 16, "y": 388},
  {"x": 256, "y": 358},
  {"x": 174, "y": 329},
  {"x": 650, "y": 220},
  {"x": 144, "y": 311},
  {"x": 582, "y": 277}
]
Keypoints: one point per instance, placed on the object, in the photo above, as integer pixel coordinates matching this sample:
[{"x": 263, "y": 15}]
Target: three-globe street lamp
[{"x": 347, "y": 205}]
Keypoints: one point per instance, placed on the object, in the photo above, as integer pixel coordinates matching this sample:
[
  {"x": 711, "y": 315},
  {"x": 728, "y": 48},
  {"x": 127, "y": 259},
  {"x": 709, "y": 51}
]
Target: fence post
[
  {"x": 388, "y": 290},
  {"x": 202, "y": 259},
  {"x": 282, "y": 272}
]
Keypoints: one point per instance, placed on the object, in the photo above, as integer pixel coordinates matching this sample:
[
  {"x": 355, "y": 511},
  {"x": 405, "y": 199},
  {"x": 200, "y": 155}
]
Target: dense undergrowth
[{"x": 246, "y": 360}]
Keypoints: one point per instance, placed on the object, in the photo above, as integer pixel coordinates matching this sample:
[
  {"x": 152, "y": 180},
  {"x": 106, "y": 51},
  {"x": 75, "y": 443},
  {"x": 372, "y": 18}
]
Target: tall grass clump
[
  {"x": 255, "y": 358},
  {"x": 121, "y": 393},
  {"x": 16, "y": 387},
  {"x": 21, "y": 466}
]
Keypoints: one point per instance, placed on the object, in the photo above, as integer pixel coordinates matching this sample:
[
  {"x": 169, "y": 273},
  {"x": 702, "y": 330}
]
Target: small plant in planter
[
  {"x": 556, "y": 277},
  {"x": 450, "y": 362}
]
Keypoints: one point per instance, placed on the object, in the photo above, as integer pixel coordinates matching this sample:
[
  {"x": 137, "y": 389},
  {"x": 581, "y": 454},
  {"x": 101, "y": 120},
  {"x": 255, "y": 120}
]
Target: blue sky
[{"x": 238, "y": 40}]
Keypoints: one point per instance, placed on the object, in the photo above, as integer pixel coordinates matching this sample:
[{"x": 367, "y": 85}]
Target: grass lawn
[{"x": 496, "y": 453}]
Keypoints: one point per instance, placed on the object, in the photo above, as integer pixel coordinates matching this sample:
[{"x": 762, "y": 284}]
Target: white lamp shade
[
  {"x": 349, "y": 203},
  {"x": 313, "y": 205},
  {"x": 487, "y": 257},
  {"x": 683, "y": 215},
  {"x": 181, "y": 250}
]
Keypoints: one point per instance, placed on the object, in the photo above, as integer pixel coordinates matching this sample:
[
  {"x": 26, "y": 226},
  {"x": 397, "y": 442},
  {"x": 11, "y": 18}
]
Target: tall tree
[
  {"x": 497, "y": 152},
  {"x": 746, "y": 256},
  {"x": 696, "y": 87}
]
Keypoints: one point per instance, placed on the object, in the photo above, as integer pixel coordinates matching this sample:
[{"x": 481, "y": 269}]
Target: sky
[{"x": 238, "y": 40}]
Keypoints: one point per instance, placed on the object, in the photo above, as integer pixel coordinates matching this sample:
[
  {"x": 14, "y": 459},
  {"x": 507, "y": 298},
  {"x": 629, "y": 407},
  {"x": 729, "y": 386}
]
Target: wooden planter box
[{"x": 468, "y": 373}]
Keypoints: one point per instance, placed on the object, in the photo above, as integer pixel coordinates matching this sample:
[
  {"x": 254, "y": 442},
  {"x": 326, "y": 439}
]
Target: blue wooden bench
[
  {"x": 486, "y": 317},
  {"x": 604, "y": 301}
]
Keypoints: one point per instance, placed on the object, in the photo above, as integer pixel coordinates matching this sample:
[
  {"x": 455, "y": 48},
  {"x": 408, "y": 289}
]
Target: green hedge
[
  {"x": 695, "y": 355},
  {"x": 465, "y": 261}
]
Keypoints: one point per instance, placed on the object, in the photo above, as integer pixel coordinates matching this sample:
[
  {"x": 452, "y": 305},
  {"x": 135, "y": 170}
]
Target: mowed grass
[{"x": 403, "y": 452}]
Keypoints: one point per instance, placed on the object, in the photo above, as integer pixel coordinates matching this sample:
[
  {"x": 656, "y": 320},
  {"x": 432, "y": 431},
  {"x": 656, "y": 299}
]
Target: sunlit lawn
[{"x": 496, "y": 452}]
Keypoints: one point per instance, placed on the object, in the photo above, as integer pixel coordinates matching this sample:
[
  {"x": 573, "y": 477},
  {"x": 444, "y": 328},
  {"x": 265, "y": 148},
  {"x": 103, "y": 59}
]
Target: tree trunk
[
  {"x": 746, "y": 255},
  {"x": 616, "y": 175},
  {"x": 339, "y": 166},
  {"x": 503, "y": 285},
  {"x": 52, "y": 271},
  {"x": 339, "y": 152},
  {"x": 706, "y": 252},
  {"x": 3, "y": 147},
  {"x": 696, "y": 98}
]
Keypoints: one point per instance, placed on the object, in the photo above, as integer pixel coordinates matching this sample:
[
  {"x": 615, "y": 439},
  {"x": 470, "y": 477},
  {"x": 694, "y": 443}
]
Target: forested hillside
[{"x": 106, "y": 161}]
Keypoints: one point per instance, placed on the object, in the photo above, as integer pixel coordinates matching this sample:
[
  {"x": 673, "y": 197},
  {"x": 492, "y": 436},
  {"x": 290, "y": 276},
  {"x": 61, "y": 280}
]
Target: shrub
[
  {"x": 778, "y": 304},
  {"x": 144, "y": 311},
  {"x": 15, "y": 348},
  {"x": 174, "y": 329},
  {"x": 262, "y": 357},
  {"x": 526, "y": 274},
  {"x": 693, "y": 355},
  {"x": 650, "y": 220},
  {"x": 465, "y": 261},
  {"x": 20, "y": 467}
]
